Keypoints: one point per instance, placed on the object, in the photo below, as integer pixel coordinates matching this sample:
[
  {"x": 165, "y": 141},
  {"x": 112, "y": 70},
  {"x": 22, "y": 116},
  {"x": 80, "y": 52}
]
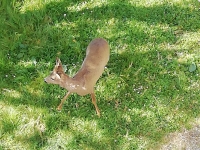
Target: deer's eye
[{"x": 52, "y": 78}]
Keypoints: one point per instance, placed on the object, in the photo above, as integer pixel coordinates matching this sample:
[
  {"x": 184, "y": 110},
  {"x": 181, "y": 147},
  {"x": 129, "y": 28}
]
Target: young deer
[{"x": 97, "y": 56}]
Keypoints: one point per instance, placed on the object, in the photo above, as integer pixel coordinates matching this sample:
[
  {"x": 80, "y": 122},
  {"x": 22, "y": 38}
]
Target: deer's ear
[{"x": 58, "y": 62}]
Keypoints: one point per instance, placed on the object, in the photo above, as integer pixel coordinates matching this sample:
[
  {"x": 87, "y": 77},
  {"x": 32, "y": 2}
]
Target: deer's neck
[{"x": 69, "y": 83}]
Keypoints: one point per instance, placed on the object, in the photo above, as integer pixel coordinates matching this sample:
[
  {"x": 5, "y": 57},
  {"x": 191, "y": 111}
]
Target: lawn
[{"x": 149, "y": 89}]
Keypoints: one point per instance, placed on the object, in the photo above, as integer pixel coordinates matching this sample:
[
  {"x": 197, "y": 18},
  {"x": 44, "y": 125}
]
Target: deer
[{"x": 83, "y": 82}]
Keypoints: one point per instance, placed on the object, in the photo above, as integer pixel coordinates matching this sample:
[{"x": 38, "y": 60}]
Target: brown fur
[{"x": 97, "y": 56}]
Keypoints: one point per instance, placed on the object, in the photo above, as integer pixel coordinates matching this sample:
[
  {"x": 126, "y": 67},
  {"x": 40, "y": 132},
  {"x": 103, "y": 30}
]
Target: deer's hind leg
[{"x": 95, "y": 104}]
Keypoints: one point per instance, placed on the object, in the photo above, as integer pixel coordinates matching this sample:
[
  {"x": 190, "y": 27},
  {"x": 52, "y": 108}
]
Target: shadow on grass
[{"x": 138, "y": 104}]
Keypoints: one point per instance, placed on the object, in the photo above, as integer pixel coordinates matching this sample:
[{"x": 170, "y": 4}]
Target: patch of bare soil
[{"x": 185, "y": 140}]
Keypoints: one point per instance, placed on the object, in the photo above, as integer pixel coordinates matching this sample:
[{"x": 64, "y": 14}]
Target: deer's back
[{"x": 97, "y": 56}]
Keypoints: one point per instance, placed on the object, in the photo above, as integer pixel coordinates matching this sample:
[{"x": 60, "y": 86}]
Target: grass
[{"x": 146, "y": 92}]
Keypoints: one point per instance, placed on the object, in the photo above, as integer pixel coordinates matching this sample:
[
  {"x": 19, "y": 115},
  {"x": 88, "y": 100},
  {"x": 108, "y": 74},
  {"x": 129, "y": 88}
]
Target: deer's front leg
[{"x": 63, "y": 100}]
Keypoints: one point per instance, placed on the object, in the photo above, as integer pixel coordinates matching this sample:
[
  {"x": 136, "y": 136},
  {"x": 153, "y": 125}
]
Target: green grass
[{"x": 145, "y": 93}]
